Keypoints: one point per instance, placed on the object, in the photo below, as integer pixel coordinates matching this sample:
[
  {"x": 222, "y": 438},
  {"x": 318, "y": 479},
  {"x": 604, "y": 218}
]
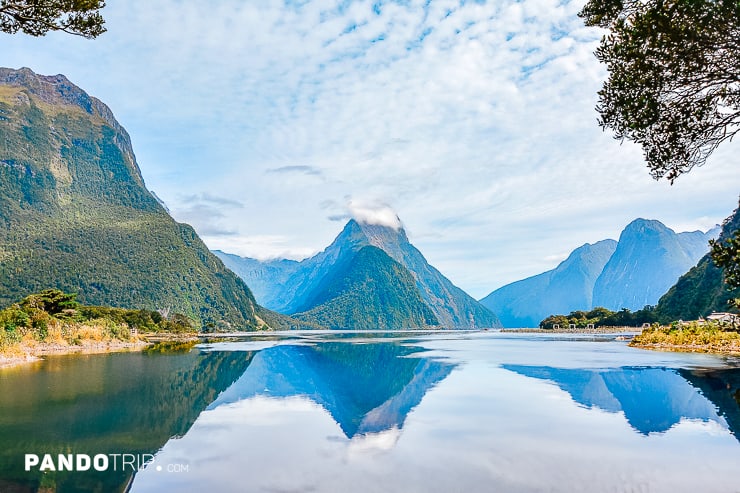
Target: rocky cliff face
[{"x": 75, "y": 213}]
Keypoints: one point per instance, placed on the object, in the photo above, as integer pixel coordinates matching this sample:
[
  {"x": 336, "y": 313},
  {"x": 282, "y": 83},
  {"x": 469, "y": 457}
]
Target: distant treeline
[{"x": 603, "y": 317}]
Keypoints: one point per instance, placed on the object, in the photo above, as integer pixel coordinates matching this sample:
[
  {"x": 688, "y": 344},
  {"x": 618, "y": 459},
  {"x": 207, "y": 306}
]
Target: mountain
[
  {"x": 566, "y": 288},
  {"x": 75, "y": 213},
  {"x": 630, "y": 273},
  {"x": 648, "y": 260},
  {"x": 372, "y": 291},
  {"x": 702, "y": 289},
  {"x": 302, "y": 287}
]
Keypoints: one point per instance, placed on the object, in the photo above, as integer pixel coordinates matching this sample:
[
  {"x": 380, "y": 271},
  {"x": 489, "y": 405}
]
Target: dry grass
[
  {"x": 709, "y": 337},
  {"x": 62, "y": 336}
]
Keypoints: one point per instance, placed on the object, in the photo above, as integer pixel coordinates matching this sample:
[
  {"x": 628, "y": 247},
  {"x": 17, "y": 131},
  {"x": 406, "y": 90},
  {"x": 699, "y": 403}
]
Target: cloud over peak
[{"x": 375, "y": 213}]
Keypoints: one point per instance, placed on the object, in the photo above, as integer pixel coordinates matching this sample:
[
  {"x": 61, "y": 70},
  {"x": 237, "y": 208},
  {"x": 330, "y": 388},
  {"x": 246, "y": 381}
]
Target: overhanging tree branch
[
  {"x": 38, "y": 17},
  {"x": 674, "y": 77}
]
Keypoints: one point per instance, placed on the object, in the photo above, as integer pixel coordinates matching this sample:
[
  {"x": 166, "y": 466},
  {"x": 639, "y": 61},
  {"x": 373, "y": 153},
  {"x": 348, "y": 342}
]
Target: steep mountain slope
[
  {"x": 75, "y": 214},
  {"x": 452, "y": 306},
  {"x": 303, "y": 288},
  {"x": 702, "y": 289},
  {"x": 648, "y": 260},
  {"x": 566, "y": 288},
  {"x": 372, "y": 291}
]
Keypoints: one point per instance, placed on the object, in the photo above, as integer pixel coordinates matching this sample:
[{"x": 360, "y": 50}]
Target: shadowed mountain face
[
  {"x": 75, "y": 213},
  {"x": 367, "y": 388},
  {"x": 302, "y": 287},
  {"x": 653, "y": 400},
  {"x": 266, "y": 278},
  {"x": 371, "y": 291},
  {"x": 566, "y": 288}
]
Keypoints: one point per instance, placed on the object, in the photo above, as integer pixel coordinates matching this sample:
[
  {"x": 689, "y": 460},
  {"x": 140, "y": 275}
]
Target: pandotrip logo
[{"x": 97, "y": 462}]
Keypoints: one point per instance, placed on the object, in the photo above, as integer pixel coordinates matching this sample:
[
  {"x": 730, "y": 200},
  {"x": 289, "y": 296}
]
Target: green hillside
[
  {"x": 75, "y": 214},
  {"x": 702, "y": 289},
  {"x": 370, "y": 291}
]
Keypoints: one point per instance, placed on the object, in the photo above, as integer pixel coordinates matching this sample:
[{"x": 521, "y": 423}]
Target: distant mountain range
[
  {"x": 75, "y": 214},
  {"x": 631, "y": 273},
  {"x": 371, "y": 276}
]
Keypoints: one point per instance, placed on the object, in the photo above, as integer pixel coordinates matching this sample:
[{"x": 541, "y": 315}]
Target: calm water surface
[{"x": 382, "y": 412}]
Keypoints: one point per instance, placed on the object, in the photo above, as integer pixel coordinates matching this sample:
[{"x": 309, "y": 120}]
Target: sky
[{"x": 267, "y": 124}]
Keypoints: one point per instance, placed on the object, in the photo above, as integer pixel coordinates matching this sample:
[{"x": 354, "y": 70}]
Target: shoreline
[
  {"x": 594, "y": 331},
  {"x": 32, "y": 353},
  {"x": 689, "y": 348}
]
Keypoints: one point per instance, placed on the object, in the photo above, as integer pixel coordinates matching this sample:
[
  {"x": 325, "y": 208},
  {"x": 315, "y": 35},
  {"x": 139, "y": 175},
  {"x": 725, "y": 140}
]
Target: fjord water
[{"x": 463, "y": 411}]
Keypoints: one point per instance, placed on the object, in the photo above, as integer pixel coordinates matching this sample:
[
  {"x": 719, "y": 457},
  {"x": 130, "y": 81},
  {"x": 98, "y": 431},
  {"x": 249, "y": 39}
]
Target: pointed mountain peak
[{"x": 379, "y": 225}]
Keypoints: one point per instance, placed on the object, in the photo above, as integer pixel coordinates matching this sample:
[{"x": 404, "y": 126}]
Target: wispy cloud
[
  {"x": 207, "y": 213},
  {"x": 207, "y": 198},
  {"x": 301, "y": 169}
]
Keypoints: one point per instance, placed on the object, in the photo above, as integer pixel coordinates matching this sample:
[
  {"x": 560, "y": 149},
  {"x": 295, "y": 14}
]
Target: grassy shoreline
[
  {"x": 32, "y": 351},
  {"x": 707, "y": 337},
  {"x": 53, "y": 322}
]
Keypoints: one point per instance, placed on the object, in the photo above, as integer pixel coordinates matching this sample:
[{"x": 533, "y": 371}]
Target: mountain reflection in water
[
  {"x": 653, "y": 400},
  {"x": 367, "y": 388}
]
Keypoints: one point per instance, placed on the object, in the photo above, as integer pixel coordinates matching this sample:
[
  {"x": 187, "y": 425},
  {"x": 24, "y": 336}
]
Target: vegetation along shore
[
  {"x": 695, "y": 336},
  {"x": 53, "y": 322}
]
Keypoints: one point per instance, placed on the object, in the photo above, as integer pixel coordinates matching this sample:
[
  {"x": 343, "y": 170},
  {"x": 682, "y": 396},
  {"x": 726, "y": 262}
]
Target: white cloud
[
  {"x": 374, "y": 213},
  {"x": 474, "y": 119}
]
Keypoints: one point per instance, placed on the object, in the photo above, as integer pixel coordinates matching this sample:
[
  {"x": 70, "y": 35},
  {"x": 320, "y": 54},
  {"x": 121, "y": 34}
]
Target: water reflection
[
  {"x": 722, "y": 387},
  {"x": 308, "y": 405},
  {"x": 318, "y": 413},
  {"x": 103, "y": 404},
  {"x": 653, "y": 400},
  {"x": 367, "y": 388}
]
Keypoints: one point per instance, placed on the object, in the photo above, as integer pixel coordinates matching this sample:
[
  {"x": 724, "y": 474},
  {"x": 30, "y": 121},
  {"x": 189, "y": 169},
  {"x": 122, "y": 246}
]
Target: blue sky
[{"x": 265, "y": 124}]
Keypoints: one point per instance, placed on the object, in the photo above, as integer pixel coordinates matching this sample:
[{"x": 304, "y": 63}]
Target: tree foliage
[
  {"x": 38, "y": 17},
  {"x": 674, "y": 77},
  {"x": 37, "y": 312},
  {"x": 602, "y": 317},
  {"x": 726, "y": 254}
]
